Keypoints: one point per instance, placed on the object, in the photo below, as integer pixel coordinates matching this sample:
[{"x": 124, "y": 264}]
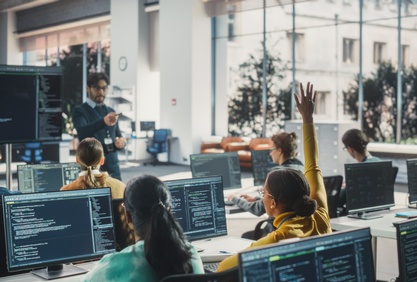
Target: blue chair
[
  {"x": 32, "y": 153},
  {"x": 158, "y": 144}
]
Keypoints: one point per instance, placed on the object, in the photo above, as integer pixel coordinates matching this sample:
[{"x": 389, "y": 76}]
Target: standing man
[{"x": 95, "y": 119}]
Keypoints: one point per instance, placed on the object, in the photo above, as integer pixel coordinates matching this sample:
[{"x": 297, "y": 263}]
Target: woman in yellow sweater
[
  {"x": 297, "y": 202},
  {"x": 90, "y": 156}
]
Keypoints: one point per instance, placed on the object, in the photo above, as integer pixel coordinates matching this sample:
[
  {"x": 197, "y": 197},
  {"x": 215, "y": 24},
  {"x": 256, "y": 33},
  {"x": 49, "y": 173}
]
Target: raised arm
[{"x": 305, "y": 104}]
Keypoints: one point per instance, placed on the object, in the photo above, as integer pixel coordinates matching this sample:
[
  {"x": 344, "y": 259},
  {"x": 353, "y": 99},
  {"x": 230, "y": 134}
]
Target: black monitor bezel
[
  {"x": 372, "y": 208},
  {"x": 398, "y": 227},
  {"x": 233, "y": 154},
  {"x": 142, "y": 127},
  {"x": 193, "y": 179},
  {"x": 412, "y": 198},
  {"x": 59, "y": 261},
  {"x": 269, "y": 167},
  {"x": 291, "y": 242}
]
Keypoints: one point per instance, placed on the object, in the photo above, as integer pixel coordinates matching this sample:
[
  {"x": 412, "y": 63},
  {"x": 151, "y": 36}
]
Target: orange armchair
[
  {"x": 245, "y": 156},
  {"x": 223, "y": 146}
]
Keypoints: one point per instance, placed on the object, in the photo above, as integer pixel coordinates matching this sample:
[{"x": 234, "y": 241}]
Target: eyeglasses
[
  {"x": 98, "y": 88},
  {"x": 272, "y": 149},
  {"x": 261, "y": 192}
]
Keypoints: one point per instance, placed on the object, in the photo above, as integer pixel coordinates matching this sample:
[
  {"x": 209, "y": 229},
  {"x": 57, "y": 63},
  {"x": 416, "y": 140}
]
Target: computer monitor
[
  {"x": 407, "y": 249},
  {"x": 198, "y": 206},
  {"x": 224, "y": 164},
  {"x": 46, "y": 177},
  {"x": 52, "y": 228},
  {"x": 261, "y": 165},
  {"x": 369, "y": 187},
  {"x": 412, "y": 182},
  {"x": 146, "y": 126},
  {"x": 340, "y": 256}
]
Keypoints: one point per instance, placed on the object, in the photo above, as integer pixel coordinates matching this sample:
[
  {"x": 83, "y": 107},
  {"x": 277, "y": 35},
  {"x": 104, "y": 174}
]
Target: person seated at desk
[
  {"x": 160, "y": 249},
  {"x": 298, "y": 212},
  {"x": 283, "y": 153},
  {"x": 90, "y": 156},
  {"x": 355, "y": 143}
]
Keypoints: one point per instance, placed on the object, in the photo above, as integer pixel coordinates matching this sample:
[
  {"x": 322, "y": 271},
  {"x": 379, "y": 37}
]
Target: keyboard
[
  {"x": 228, "y": 203},
  {"x": 211, "y": 267}
]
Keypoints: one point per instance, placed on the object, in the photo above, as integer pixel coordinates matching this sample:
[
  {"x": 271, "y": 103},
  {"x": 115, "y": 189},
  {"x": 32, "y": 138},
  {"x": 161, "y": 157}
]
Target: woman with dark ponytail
[
  {"x": 161, "y": 249},
  {"x": 298, "y": 211}
]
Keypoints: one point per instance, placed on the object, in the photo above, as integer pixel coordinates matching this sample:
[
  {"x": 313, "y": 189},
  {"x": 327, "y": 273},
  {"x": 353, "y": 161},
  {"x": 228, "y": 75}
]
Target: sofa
[{"x": 237, "y": 144}]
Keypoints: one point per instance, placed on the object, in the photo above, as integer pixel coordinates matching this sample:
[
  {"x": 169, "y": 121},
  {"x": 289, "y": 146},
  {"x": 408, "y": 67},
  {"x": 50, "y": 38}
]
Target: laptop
[
  {"x": 340, "y": 256},
  {"x": 198, "y": 206},
  {"x": 406, "y": 248},
  {"x": 46, "y": 177}
]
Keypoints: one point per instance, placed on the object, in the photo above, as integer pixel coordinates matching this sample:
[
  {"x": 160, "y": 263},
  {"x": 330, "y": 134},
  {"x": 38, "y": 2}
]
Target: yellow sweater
[
  {"x": 116, "y": 186},
  {"x": 288, "y": 225}
]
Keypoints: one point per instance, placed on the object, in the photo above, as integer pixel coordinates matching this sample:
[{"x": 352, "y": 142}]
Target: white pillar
[
  {"x": 9, "y": 44},
  {"x": 185, "y": 50},
  {"x": 130, "y": 39}
]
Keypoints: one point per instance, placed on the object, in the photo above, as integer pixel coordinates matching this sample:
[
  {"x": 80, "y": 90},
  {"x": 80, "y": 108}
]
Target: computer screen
[
  {"x": 369, "y": 187},
  {"x": 340, "y": 256},
  {"x": 46, "y": 177},
  {"x": 30, "y": 103},
  {"x": 224, "y": 164},
  {"x": 52, "y": 228},
  {"x": 261, "y": 164},
  {"x": 412, "y": 180},
  {"x": 407, "y": 249},
  {"x": 147, "y": 125},
  {"x": 198, "y": 206}
]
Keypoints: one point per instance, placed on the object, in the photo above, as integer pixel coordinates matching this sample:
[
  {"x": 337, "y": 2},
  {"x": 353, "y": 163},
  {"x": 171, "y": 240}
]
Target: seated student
[
  {"x": 283, "y": 153},
  {"x": 298, "y": 212},
  {"x": 355, "y": 143},
  {"x": 160, "y": 250},
  {"x": 90, "y": 156}
]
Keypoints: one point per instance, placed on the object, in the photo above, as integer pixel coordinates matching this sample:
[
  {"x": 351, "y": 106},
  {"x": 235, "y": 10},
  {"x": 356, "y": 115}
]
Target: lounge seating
[{"x": 233, "y": 144}]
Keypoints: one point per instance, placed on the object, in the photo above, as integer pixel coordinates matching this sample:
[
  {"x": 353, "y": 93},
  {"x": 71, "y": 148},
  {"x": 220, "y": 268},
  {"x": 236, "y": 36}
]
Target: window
[
  {"x": 299, "y": 46},
  {"x": 380, "y": 52},
  {"x": 321, "y": 101},
  {"x": 350, "y": 47},
  {"x": 405, "y": 55}
]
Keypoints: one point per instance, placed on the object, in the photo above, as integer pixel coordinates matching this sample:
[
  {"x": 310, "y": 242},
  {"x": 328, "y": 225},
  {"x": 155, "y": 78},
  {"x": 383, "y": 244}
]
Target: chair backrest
[
  {"x": 263, "y": 228},
  {"x": 230, "y": 139},
  {"x": 394, "y": 173},
  {"x": 333, "y": 184},
  {"x": 160, "y": 135},
  {"x": 230, "y": 275},
  {"x": 260, "y": 144}
]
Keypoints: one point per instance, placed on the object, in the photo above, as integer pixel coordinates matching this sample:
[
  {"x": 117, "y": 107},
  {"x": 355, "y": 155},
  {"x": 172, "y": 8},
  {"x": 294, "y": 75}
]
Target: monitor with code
[
  {"x": 198, "y": 206},
  {"x": 46, "y": 177},
  {"x": 53, "y": 228},
  {"x": 407, "y": 249},
  {"x": 341, "y": 256},
  {"x": 261, "y": 165},
  {"x": 225, "y": 164},
  {"x": 369, "y": 187},
  {"x": 412, "y": 181}
]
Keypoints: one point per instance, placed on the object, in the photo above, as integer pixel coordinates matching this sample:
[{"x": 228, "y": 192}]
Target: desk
[
  {"x": 381, "y": 228},
  {"x": 33, "y": 278}
]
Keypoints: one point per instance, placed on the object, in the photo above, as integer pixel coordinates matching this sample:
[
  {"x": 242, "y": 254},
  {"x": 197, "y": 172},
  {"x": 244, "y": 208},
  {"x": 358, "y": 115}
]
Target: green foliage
[
  {"x": 72, "y": 63},
  {"x": 380, "y": 103},
  {"x": 246, "y": 106}
]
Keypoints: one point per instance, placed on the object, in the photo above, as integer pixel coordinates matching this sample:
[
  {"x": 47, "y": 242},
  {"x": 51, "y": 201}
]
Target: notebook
[
  {"x": 198, "y": 206},
  {"x": 46, "y": 177}
]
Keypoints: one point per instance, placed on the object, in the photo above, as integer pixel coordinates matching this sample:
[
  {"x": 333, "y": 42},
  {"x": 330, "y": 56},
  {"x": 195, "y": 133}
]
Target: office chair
[
  {"x": 333, "y": 184},
  {"x": 32, "y": 153},
  {"x": 230, "y": 275},
  {"x": 158, "y": 144},
  {"x": 394, "y": 173}
]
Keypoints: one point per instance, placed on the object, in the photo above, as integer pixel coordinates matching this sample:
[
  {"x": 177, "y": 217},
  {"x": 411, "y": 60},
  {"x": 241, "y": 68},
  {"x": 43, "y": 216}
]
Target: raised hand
[{"x": 305, "y": 102}]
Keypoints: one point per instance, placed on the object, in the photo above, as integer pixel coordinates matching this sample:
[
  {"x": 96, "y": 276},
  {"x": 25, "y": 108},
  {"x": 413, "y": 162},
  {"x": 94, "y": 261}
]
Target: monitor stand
[
  {"x": 58, "y": 271},
  {"x": 365, "y": 216}
]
